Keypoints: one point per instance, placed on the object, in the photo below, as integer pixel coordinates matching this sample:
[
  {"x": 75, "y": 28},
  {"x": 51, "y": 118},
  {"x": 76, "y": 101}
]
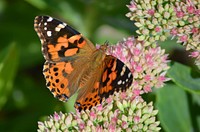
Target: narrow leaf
[{"x": 8, "y": 67}]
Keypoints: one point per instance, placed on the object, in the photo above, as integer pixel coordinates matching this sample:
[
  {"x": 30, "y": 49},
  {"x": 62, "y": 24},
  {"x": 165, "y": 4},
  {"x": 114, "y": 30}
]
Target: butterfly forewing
[
  {"x": 116, "y": 77},
  {"x": 60, "y": 42},
  {"x": 62, "y": 47}
]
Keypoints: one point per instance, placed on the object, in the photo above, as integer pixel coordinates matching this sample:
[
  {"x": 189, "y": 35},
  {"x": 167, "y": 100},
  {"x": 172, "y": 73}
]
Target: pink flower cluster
[
  {"x": 158, "y": 20},
  {"x": 188, "y": 31},
  {"x": 121, "y": 112}
]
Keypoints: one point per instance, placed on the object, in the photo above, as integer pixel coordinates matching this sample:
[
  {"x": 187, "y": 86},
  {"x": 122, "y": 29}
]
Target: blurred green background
[{"x": 24, "y": 98}]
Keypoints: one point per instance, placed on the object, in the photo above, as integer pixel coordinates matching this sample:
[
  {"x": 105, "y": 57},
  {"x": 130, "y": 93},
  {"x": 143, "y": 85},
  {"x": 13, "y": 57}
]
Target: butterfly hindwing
[
  {"x": 56, "y": 79},
  {"x": 114, "y": 77}
]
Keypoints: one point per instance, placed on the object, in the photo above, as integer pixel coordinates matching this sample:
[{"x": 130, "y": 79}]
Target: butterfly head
[
  {"x": 100, "y": 54},
  {"x": 103, "y": 47}
]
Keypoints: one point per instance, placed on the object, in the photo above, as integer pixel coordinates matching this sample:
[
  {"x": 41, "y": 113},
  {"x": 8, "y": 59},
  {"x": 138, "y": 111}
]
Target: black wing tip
[{"x": 40, "y": 17}]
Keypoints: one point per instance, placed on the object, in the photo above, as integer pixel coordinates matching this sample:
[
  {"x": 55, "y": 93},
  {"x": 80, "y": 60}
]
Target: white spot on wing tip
[
  {"x": 49, "y": 33},
  {"x": 42, "y": 41},
  {"x": 64, "y": 24},
  {"x": 129, "y": 75},
  {"x": 119, "y": 82},
  {"x": 49, "y": 19},
  {"x": 59, "y": 27},
  {"x": 123, "y": 70}
]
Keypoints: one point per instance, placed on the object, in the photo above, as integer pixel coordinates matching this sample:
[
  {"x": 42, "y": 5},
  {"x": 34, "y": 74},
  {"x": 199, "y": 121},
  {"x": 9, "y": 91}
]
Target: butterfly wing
[
  {"x": 112, "y": 76},
  {"x": 69, "y": 58},
  {"x": 62, "y": 47},
  {"x": 116, "y": 77},
  {"x": 60, "y": 42}
]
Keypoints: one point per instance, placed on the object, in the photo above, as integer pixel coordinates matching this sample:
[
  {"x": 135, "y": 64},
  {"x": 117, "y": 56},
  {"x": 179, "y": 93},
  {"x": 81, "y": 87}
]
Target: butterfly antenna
[{"x": 106, "y": 43}]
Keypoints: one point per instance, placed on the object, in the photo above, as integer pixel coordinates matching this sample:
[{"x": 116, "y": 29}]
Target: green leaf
[
  {"x": 40, "y": 4},
  {"x": 194, "y": 109},
  {"x": 69, "y": 105},
  {"x": 181, "y": 75},
  {"x": 173, "y": 109},
  {"x": 8, "y": 68}
]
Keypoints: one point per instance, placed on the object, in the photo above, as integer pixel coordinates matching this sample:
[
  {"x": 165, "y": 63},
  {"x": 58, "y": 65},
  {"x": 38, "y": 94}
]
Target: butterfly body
[{"x": 73, "y": 64}]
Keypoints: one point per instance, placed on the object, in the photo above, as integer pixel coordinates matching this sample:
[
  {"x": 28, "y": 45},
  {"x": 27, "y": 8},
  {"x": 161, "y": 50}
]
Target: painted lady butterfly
[{"x": 74, "y": 64}]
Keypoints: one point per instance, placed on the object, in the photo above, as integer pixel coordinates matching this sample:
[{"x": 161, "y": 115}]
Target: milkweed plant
[{"x": 157, "y": 20}]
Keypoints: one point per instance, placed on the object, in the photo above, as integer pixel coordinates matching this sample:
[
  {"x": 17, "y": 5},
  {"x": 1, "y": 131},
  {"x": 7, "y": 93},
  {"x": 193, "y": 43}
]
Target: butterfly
[{"x": 73, "y": 64}]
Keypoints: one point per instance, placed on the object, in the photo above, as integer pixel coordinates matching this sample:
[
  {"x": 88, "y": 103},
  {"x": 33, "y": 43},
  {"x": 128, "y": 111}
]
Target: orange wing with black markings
[
  {"x": 60, "y": 42},
  {"x": 112, "y": 76},
  {"x": 74, "y": 64},
  {"x": 62, "y": 47}
]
